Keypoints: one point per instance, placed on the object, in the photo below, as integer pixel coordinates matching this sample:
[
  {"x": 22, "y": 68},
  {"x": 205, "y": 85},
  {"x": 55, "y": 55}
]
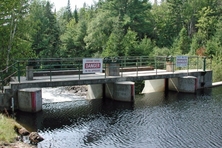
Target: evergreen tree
[
  {"x": 76, "y": 15},
  {"x": 45, "y": 33},
  {"x": 68, "y": 13}
]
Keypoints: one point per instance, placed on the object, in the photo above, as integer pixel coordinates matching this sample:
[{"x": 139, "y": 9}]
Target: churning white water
[{"x": 59, "y": 94}]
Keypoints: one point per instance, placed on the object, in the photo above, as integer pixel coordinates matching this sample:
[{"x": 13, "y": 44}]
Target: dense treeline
[{"x": 33, "y": 29}]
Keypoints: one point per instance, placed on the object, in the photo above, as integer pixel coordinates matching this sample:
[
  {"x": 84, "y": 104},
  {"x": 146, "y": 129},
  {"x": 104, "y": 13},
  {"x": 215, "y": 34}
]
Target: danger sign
[{"x": 92, "y": 65}]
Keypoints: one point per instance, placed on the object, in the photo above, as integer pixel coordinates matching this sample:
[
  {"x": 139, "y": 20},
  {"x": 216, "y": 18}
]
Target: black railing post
[
  {"x": 50, "y": 71},
  {"x": 204, "y": 64},
  {"x": 79, "y": 69},
  {"x": 197, "y": 62},
  {"x": 18, "y": 67},
  {"x": 155, "y": 64},
  {"x": 2, "y": 83}
]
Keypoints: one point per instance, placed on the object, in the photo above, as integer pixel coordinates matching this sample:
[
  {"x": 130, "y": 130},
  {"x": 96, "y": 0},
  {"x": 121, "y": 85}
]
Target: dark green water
[{"x": 156, "y": 120}]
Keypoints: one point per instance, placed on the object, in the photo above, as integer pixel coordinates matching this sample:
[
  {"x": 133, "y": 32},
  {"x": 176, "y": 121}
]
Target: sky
[
  {"x": 63, "y": 3},
  {"x": 79, "y": 3}
]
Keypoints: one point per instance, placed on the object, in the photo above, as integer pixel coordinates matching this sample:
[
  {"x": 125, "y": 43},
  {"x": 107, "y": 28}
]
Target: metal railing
[{"x": 51, "y": 67}]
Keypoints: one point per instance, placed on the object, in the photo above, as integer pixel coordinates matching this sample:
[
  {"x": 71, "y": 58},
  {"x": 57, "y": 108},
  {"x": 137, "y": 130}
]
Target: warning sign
[
  {"x": 181, "y": 61},
  {"x": 92, "y": 65}
]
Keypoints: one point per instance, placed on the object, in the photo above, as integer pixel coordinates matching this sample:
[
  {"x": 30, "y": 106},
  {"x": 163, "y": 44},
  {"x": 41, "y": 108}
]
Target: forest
[{"x": 34, "y": 29}]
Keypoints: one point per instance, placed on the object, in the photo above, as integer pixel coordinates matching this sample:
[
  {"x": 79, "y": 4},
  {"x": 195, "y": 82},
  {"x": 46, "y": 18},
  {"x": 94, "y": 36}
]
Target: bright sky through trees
[{"x": 79, "y": 3}]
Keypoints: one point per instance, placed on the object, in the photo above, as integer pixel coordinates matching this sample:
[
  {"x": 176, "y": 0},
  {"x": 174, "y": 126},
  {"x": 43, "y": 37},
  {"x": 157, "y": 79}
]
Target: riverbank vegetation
[
  {"x": 34, "y": 29},
  {"x": 8, "y": 136},
  {"x": 7, "y": 133}
]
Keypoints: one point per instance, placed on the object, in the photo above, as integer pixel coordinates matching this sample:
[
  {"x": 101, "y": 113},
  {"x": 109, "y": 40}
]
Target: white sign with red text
[{"x": 92, "y": 65}]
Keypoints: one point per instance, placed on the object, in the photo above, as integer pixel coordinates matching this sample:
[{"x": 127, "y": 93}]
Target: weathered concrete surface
[
  {"x": 95, "y": 91},
  {"x": 30, "y": 99},
  {"x": 154, "y": 86},
  {"x": 112, "y": 69},
  {"x": 187, "y": 84},
  {"x": 120, "y": 91},
  {"x": 124, "y": 91}
]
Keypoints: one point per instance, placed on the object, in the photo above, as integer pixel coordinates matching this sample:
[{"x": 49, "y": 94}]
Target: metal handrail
[{"x": 52, "y": 65}]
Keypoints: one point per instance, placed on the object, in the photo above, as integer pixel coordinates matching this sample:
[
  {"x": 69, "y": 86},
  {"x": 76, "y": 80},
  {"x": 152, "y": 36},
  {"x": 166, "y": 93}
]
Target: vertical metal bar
[
  {"x": 174, "y": 64},
  {"x": 122, "y": 69},
  {"x": 197, "y": 62},
  {"x": 155, "y": 64},
  {"x": 79, "y": 69},
  {"x": 188, "y": 65},
  {"x": 105, "y": 70},
  {"x": 141, "y": 63},
  {"x": 50, "y": 71},
  {"x": 204, "y": 64},
  {"x": 2, "y": 83},
  {"x": 18, "y": 67},
  {"x": 137, "y": 70}
]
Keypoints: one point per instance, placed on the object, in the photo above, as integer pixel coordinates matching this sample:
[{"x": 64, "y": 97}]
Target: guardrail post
[
  {"x": 18, "y": 71},
  {"x": 197, "y": 62},
  {"x": 50, "y": 71},
  {"x": 204, "y": 64},
  {"x": 79, "y": 69},
  {"x": 2, "y": 83},
  {"x": 188, "y": 66},
  {"x": 155, "y": 65}
]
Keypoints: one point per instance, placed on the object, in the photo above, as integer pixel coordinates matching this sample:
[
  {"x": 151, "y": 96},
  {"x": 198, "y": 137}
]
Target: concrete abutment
[{"x": 119, "y": 91}]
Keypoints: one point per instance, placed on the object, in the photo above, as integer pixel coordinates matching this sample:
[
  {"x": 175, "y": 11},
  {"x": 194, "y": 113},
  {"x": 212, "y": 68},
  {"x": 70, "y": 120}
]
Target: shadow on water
[
  {"x": 164, "y": 98},
  {"x": 56, "y": 115}
]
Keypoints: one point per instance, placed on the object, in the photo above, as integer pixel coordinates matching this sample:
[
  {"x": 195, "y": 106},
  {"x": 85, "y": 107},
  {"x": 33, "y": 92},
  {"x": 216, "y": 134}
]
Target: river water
[{"x": 156, "y": 120}]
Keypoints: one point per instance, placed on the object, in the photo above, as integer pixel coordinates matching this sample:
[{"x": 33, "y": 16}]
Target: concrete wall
[
  {"x": 154, "y": 86},
  {"x": 120, "y": 91},
  {"x": 109, "y": 89},
  {"x": 4, "y": 102},
  {"x": 124, "y": 91},
  {"x": 173, "y": 84},
  {"x": 95, "y": 91},
  {"x": 186, "y": 84},
  {"x": 30, "y": 99}
]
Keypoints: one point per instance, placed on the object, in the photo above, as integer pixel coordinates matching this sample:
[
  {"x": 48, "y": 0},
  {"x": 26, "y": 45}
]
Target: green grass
[{"x": 7, "y": 132}]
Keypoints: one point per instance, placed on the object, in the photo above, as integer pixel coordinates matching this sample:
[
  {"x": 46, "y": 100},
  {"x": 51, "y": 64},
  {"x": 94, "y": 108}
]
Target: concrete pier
[
  {"x": 124, "y": 91},
  {"x": 95, "y": 91},
  {"x": 157, "y": 85},
  {"x": 120, "y": 91},
  {"x": 187, "y": 84},
  {"x": 30, "y": 99}
]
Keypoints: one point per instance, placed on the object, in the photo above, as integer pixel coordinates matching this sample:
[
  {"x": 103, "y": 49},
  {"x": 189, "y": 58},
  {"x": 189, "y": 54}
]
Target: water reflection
[{"x": 154, "y": 120}]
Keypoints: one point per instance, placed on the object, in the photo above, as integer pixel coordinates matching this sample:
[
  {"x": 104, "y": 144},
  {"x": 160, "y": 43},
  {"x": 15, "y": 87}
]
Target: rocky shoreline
[{"x": 17, "y": 144}]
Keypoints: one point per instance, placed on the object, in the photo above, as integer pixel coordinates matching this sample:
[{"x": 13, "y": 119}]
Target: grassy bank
[{"x": 7, "y": 132}]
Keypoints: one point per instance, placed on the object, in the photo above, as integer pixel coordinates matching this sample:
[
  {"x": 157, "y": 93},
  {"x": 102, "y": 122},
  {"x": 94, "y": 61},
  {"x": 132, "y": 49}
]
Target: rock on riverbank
[{"x": 79, "y": 90}]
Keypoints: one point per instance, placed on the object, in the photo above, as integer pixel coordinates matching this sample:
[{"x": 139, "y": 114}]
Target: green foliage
[
  {"x": 206, "y": 23},
  {"x": 45, "y": 30},
  {"x": 30, "y": 29},
  {"x": 181, "y": 44},
  {"x": 160, "y": 52},
  {"x": 7, "y": 132},
  {"x": 145, "y": 46}
]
